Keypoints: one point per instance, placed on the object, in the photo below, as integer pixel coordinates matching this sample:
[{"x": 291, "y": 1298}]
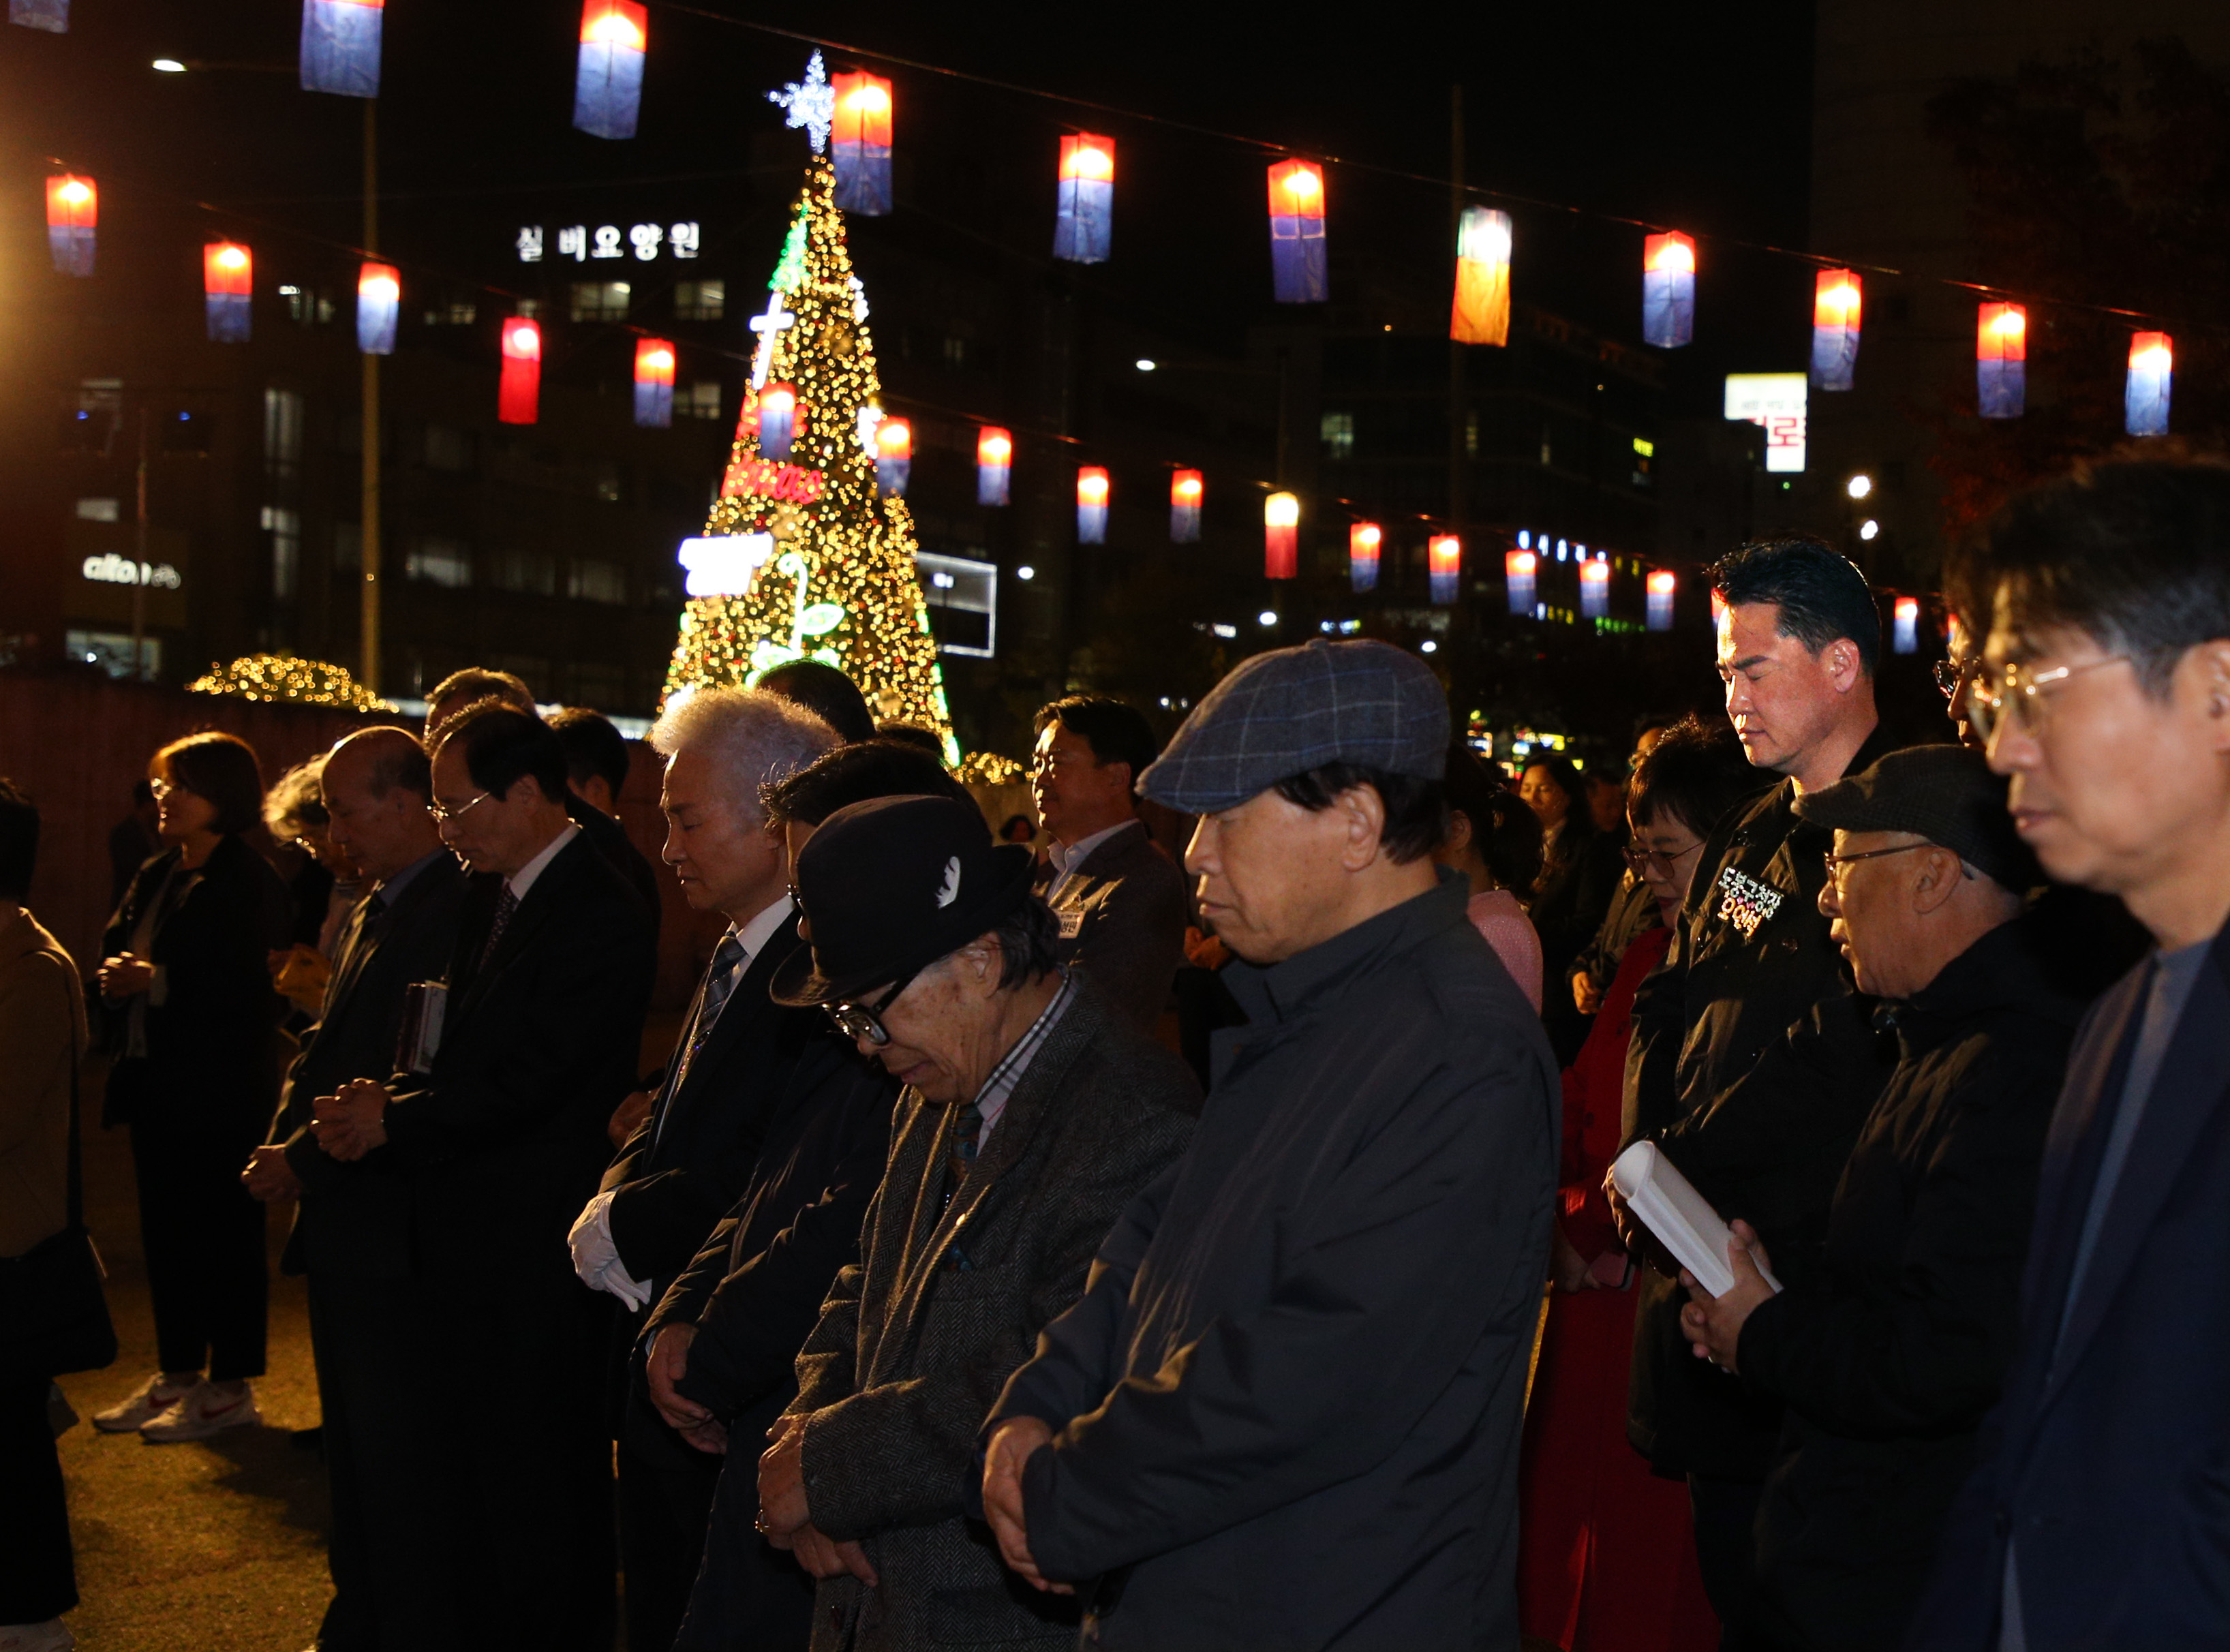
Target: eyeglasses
[
  {"x": 161, "y": 789},
  {"x": 1644, "y": 861},
  {"x": 857, "y": 1021},
  {"x": 1950, "y": 674},
  {"x": 1835, "y": 861},
  {"x": 2016, "y": 694},
  {"x": 443, "y": 813}
]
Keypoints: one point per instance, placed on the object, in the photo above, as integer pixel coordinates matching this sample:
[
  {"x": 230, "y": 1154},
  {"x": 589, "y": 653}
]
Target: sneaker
[
  {"x": 153, "y": 1397},
  {"x": 53, "y": 1635},
  {"x": 202, "y": 1412}
]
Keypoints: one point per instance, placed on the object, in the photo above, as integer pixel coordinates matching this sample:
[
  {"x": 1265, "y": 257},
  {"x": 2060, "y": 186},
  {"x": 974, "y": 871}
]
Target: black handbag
[{"x": 54, "y": 1309}]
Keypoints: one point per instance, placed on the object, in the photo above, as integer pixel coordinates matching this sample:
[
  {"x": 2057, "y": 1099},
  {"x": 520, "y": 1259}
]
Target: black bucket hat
[
  {"x": 890, "y": 885},
  {"x": 1944, "y": 793}
]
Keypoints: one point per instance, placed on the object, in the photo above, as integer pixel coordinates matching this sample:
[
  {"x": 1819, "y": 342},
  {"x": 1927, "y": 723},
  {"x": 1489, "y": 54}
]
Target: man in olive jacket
[
  {"x": 1285, "y": 1415},
  {"x": 1033, "y": 1113}
]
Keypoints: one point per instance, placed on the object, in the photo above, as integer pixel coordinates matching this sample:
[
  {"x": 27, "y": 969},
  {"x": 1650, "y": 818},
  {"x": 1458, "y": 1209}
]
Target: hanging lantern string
[
  {"x": 1266, "y": 146},
  {"x": 263, "y": 226}
]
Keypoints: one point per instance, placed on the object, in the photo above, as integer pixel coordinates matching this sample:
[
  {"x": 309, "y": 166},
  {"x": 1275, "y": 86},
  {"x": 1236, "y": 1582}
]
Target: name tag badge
[
  {"x": 1072, "y": 921},
  {"x": 1746, "y": 903}
]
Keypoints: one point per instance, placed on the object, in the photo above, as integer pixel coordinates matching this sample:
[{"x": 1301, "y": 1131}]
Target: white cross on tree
[{"x": 767, "y": 326}]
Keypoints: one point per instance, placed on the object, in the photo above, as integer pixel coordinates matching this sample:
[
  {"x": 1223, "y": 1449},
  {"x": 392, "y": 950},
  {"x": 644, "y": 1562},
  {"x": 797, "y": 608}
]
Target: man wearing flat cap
[
  {"x": 1032, "y": 1113},
  {"x": 1886, "y": 1349},
  {"x": 1286, "y": 1413}
]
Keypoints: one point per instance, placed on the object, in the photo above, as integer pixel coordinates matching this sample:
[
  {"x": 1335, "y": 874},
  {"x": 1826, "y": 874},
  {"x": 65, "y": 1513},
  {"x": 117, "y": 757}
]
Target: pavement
[{"x": 215, "y": 1543}]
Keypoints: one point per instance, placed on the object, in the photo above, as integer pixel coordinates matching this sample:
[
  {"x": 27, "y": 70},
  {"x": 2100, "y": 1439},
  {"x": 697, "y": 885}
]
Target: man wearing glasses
[
  {"x": 1032, "y": 1113},
  {"x": 499, "y": 1141},
  {"x": 1887, "y": 1347},
  {"x": 2098, "y": 1513}
]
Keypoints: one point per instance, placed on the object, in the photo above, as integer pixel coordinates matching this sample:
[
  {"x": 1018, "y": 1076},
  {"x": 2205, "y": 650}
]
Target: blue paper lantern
[
  {"x": 2001, "y": 361},
  {"x": 378, "y": 299},
  {"x": 653, "y": 383},
  {"x": 52, "y": 15},
  {"x": 1297, "y": 233},
  {"x": 1668, "y": 290},
  {"x": 1904, "y": 626},
  {"x": 1443, "y": 567},
  {"x": 894, "y": 457},
  {"x": 1518, "y": 574},
  {"x": 2152, "y": 376},
  {"x": 860, "y": 139},
  {"x": 1594, "y": 589},
  {"x": 72, "y": 208},
  {"x": 1084, "y": 208},
  {"x": 340, "y": 46},
  {"x": 608, "y": 84},
  {"x": 995, "y": 464},
  {"x": 777, "y": 413},
  {"x": 1186, "y": 487},
  {"x": 1658, "y": 611},
  {"x": 228, "y": 280},
  {"x": 1092, "y": 504},
  {"x": 1835, "y": 299},
  {"x": 1364, "y": 539}
]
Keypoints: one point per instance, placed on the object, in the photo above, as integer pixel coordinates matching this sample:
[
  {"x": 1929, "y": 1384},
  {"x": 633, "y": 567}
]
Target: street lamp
[
  {"x": 1869, "y": 528},
  {"x": 1860, "y": 486}
]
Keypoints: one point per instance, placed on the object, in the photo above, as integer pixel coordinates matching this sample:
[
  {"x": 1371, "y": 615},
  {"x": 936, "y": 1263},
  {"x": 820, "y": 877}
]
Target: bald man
[{"x": 375, "y": 1374}]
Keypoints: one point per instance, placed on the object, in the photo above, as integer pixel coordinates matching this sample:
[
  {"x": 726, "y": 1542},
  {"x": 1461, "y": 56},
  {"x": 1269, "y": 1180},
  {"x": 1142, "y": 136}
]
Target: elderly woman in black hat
[{"x": 1031, "y": 1116}]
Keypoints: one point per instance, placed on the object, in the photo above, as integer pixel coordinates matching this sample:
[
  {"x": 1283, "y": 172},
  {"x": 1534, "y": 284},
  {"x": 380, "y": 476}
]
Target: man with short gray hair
[
  {"x": 1286, "y": 1413},
  {"x": 743, "y": 1073}
]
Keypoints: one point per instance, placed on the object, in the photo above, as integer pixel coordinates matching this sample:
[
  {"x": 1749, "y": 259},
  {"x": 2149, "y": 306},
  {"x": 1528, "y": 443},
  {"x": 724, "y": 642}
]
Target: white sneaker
[
  {"x": 202, "y": 1412},
  {"x": 153, "y": 1397},
  {"x": 53, "y": 1635}
]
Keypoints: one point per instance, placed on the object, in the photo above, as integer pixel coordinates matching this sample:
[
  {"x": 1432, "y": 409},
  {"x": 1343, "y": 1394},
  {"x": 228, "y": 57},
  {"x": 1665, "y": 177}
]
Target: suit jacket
[
  {"x": 2107, "y": 1463},
  {"x": 761, "y": 1076},
  {"x": 618, "y": 849},
  {"x": 212, "y": 1042},
  {"x": 947, "y": 1299},
  {"x": 1123, "y": 921},
  {"x": 42, "y": 1034},
  {"x": 355, "y": 1218},
  {"x": 504, "y": 1139}
]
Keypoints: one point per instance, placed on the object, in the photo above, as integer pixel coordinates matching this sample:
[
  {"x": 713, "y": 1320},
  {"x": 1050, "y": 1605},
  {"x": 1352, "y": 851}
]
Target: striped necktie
[
  {"x": 506, "y": 904},
  {"x": 960, "y": 1152},
  {"x": 721, "y": 980}
]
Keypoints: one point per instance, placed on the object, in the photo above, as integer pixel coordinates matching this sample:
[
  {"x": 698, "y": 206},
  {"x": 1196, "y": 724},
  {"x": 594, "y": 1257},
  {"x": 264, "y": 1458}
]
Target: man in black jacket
[
  {"x": 379, "y": 1373},
  {"x": 501, "y": 1138},
  {"x": 740, "y": 1064},
  {"x": 723, "y": 1341},
  {"x": 1286, "y": 1413},
  {"x": 1887, "y": 1349},
  {"x": 1751, "y": 958}
]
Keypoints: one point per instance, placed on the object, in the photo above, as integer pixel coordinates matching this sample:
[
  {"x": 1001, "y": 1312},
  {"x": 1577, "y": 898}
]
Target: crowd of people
[{"x": 1142, "y": 1241}]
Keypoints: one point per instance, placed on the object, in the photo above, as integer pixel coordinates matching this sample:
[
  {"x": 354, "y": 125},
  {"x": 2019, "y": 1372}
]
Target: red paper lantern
[
  {"x": 72, "y": 208},
  {"x": 1186, "y": 487},
  {"x": 1443, "y": 566},
  {"x": 653, "y": 383},
  {"x": 228, "y": 280},
  {"x": 1364, "y": 539},
  {"x": 519, "y": 397},
  {"x": 1281, "y": 536}
]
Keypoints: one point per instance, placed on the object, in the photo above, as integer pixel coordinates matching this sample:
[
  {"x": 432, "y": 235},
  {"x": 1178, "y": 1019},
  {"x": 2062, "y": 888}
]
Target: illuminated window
[
  {"x": 284, "y": 527},
  {"x": 962, "y": 599},
  {"x": 1471, "y": 436},
  {"x": 282, "y": 434},
  {"x": 1337, "y": 430},
  {"x": 532, "y": 573},
  {"x": 698, "y": 401},
  {"x": 458, "y": 314},
  {"x": 439, "y": 562},
  {"x": 588, "y": 580},
  {"x": 600, "y": 300},
  {"x": 700, "y": 300}
]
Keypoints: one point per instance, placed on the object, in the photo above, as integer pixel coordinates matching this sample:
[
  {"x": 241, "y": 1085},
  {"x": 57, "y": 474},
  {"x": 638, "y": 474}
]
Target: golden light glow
[
  {"x": 993, "y": 449},
  {"x": 231, "y": 258},
  {"x": 659, "y": 361},
  {"x": 525, "y": 341},
  {"x": 1092, "y": 485},
  {"x": 1841, "y": 298},
  {"x": 841, "y": 586},
  {"x": 1675, "y": 255},
  {"x": 869, "y": 98},
  {"x": 1281, "y": 510},
  {"x": 1090, "y": 160},
  {"x": 1661, "y": 582},
  {"x": 75, "y": 193},
  {"x": 380, "y": 289},
  {"x": 2153, "y": 358},
  {"x": 274, "y": 678},
  {"x": 1303, "y": 185},
  {"x": 2010, "y": 323},
  {"x": 1187, "y": 488},
  {"x": 1523, "y": 562},
  {"x": 614, "y": 28},
  {"x": 1366, "y": 536}
]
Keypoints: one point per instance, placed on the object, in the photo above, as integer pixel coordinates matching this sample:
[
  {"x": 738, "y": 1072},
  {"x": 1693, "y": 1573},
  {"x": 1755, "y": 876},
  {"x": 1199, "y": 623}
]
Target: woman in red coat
[{"x": 1604, "y": 1560}]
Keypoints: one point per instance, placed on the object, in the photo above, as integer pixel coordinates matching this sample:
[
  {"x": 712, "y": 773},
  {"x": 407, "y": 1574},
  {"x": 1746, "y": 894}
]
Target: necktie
[
  {"x": 506, "y": 904},
  {"x": 720, "y": 982}
]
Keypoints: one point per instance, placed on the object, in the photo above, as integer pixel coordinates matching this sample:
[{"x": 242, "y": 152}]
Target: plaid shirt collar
[{"x": 991, "y": 1099}]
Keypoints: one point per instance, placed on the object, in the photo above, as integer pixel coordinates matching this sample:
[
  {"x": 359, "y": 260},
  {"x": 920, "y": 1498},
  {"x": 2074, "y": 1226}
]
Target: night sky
[{"x": 1697, "y": 118}]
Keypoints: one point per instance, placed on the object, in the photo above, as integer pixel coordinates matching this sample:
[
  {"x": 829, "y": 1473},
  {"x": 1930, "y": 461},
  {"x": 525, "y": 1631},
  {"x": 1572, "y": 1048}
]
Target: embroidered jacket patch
[{"x": 1745, "y": 902}]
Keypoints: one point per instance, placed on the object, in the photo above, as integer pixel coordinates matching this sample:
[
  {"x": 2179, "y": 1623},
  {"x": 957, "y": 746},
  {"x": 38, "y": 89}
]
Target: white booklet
[{"x": 1670, "y": 1207}]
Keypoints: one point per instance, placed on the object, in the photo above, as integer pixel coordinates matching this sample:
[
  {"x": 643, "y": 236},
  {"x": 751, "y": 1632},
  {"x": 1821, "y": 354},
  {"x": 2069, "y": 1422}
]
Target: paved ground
[{"x": 190, "y": 1548}]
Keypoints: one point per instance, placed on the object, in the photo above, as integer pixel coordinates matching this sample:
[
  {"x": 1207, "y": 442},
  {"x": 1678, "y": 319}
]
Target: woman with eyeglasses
[
  {"x": 191, "y": 1023},
  {"x": 1605, "y": 1562}
]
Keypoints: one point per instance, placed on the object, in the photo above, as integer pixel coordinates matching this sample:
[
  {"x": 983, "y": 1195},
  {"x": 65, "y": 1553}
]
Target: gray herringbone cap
[{"x": 1289, "y": 711}]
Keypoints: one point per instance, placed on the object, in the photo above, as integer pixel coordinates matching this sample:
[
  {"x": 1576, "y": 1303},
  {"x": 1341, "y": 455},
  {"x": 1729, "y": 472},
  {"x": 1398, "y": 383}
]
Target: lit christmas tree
[{"x": 803, "y": 559}]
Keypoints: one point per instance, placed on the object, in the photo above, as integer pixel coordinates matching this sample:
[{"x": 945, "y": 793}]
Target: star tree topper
[{"x": 811, "y": 103}]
